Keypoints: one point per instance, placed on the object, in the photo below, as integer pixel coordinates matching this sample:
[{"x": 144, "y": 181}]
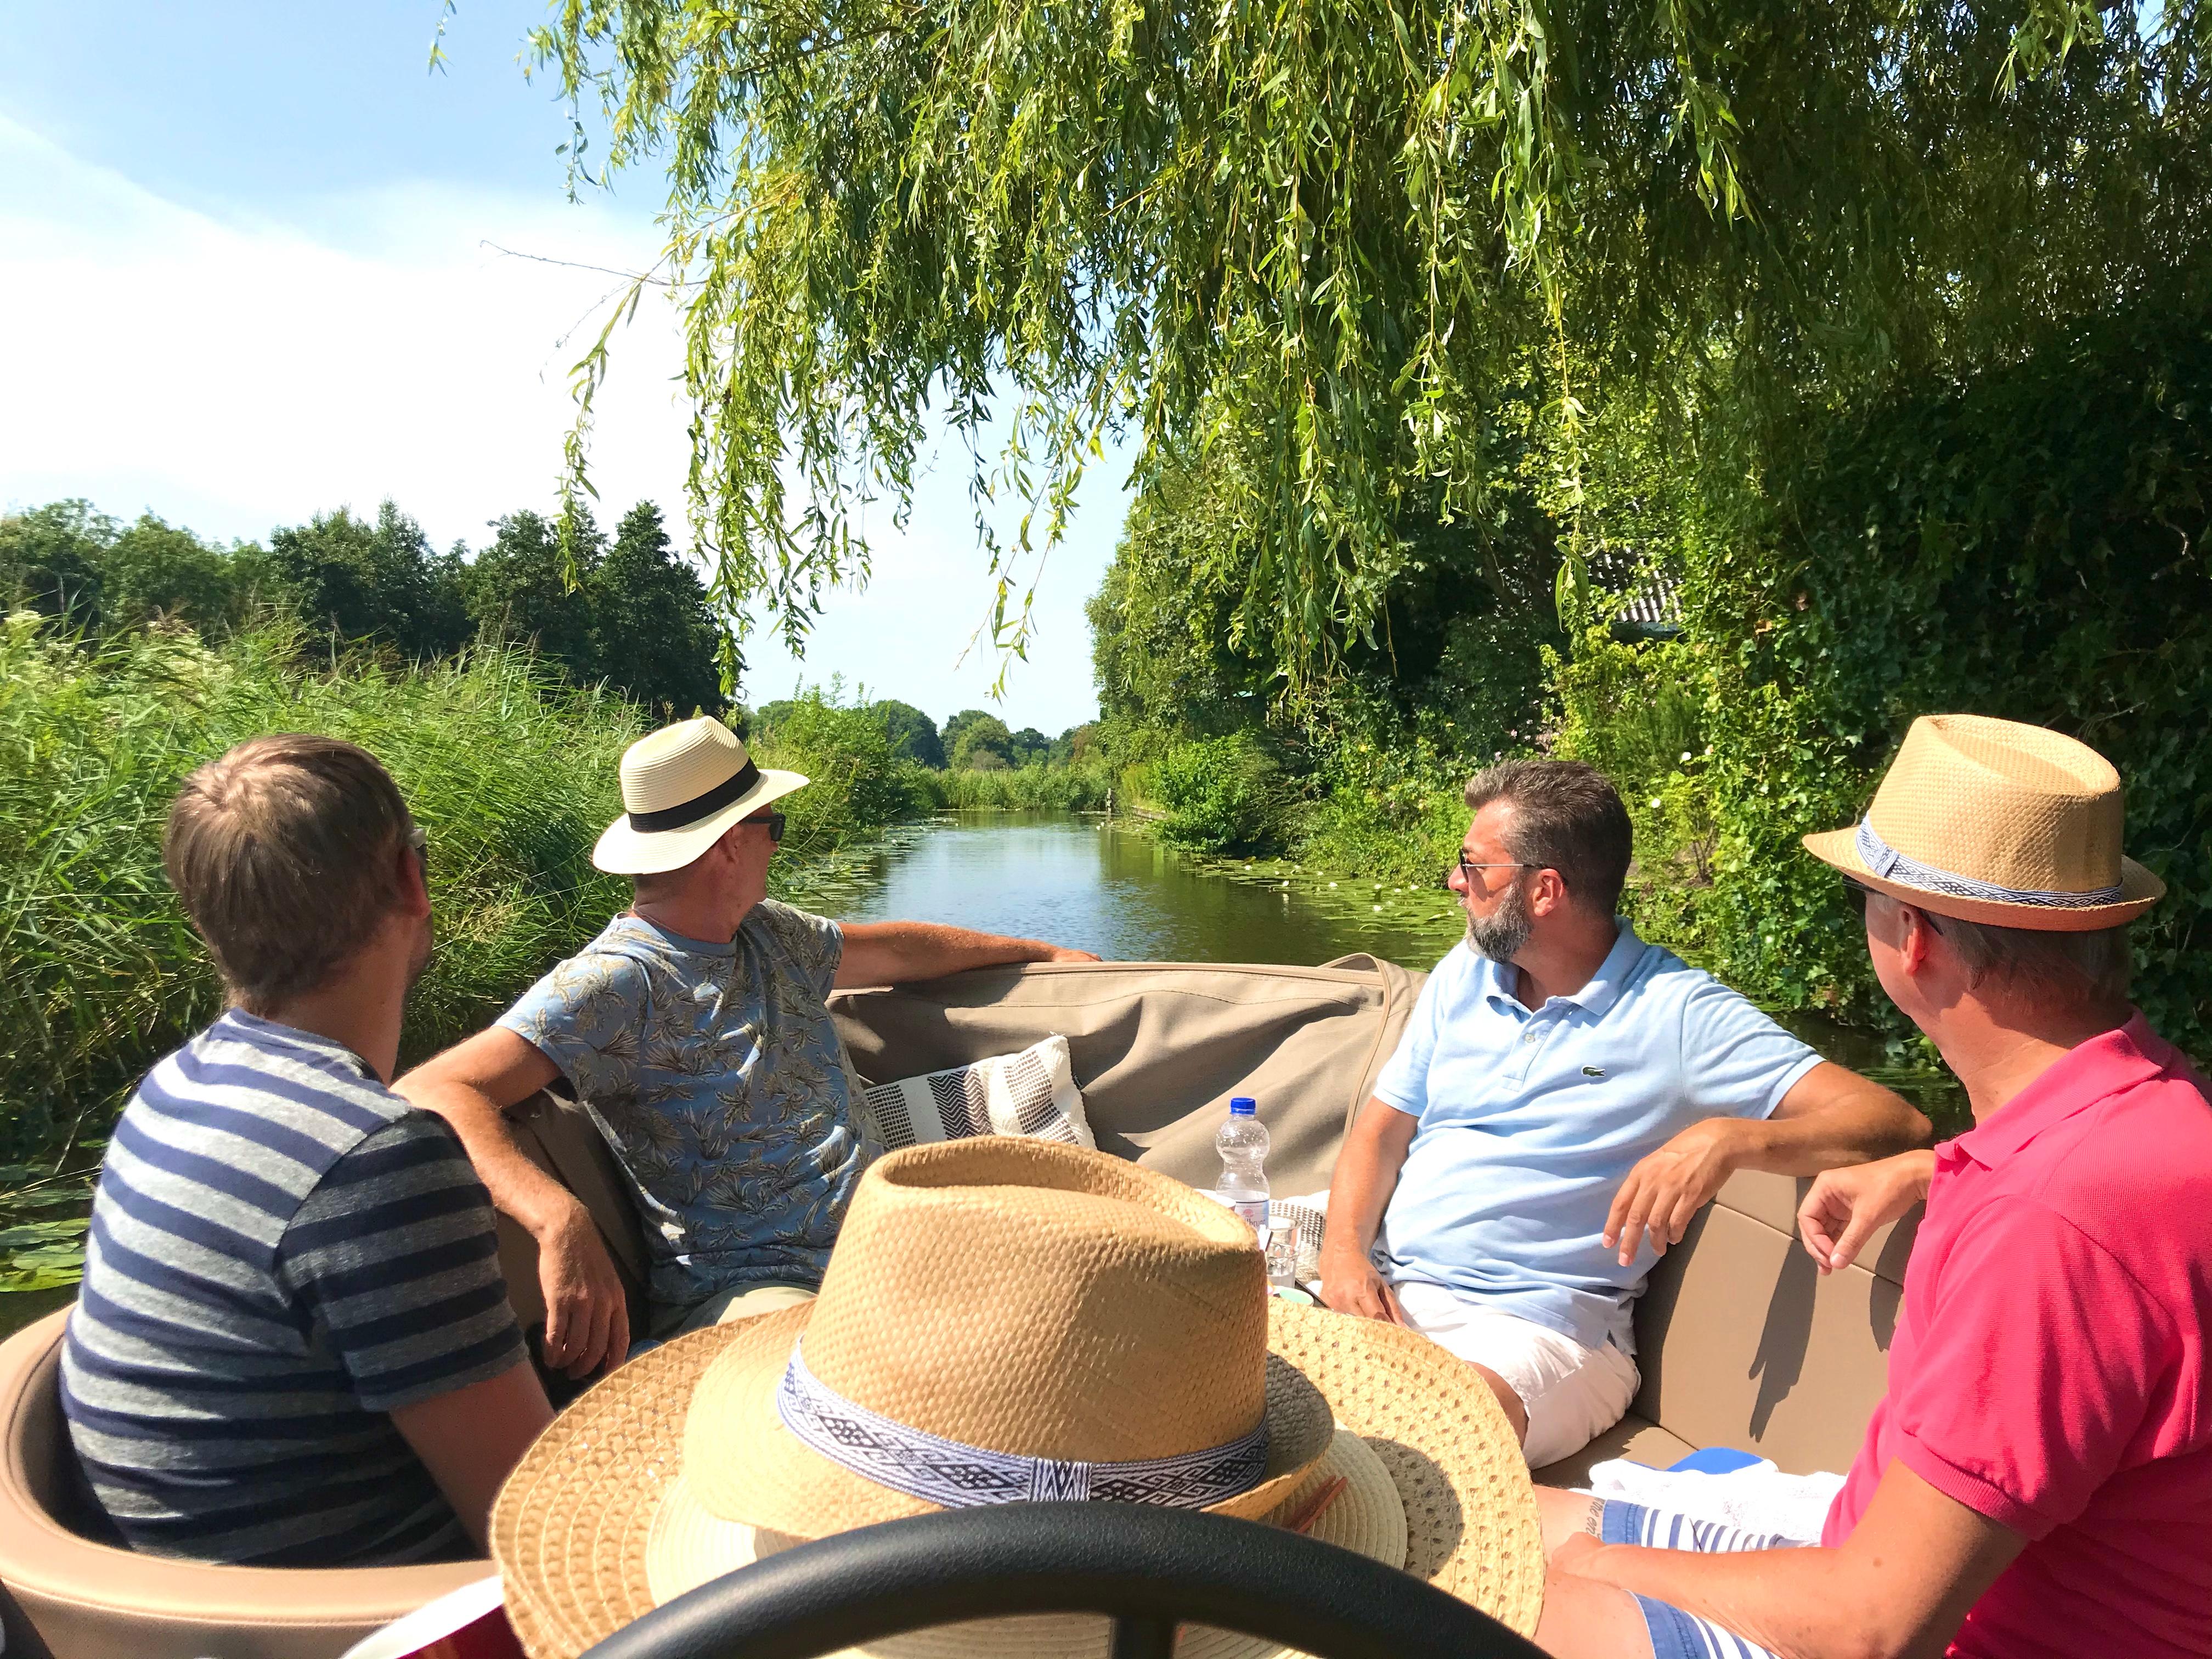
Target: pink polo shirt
[{"x": 2049, "y": 1369}]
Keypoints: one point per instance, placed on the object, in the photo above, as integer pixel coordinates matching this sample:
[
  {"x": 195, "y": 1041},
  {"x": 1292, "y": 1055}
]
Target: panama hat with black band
[
  {"x": 1999, "y": 823},
  {"x": 683, "y": 786}
]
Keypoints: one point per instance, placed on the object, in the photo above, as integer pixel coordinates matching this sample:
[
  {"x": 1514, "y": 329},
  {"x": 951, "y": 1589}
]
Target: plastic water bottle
[{"x": 1242, "y": 1144}]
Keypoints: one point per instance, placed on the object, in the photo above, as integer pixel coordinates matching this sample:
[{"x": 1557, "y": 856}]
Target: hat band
[
  {"x": 957, "y": 1476},
  {"x": 699, "y": 806},
  {"x": 1891, "y": 865}
]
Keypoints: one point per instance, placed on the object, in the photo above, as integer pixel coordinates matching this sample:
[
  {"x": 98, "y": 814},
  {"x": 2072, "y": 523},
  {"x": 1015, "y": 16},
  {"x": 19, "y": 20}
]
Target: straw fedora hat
[
  {"x": 683, "y": 787},
  {"x": 1992, "y": 821},
  {"x": 1005, "y": 1319}
]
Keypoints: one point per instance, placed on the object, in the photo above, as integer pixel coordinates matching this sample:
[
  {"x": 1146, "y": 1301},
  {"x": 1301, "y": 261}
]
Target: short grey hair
[{"x": 2038, "y": 959}]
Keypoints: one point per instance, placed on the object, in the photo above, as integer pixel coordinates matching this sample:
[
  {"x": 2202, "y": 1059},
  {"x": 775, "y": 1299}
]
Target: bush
[
  {"x": 1226, "y": 794},
  {"x": 860, "y": 784},
  {"x": 1080, "y": 787},
  {"x": 2027, "y": 543},
  {"x": 513, "y": 776}
]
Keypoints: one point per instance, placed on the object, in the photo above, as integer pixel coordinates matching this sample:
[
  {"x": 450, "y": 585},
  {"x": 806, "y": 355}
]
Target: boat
[{"x": 1742, "y": 1343}]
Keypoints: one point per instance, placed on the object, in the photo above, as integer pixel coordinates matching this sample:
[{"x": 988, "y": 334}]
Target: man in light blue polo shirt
[{"x": 1564, "y": 1099}]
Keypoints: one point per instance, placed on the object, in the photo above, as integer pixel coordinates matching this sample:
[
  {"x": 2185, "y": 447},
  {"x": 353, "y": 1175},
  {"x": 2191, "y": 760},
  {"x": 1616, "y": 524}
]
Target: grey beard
[{"x": 1501, "y": 934}]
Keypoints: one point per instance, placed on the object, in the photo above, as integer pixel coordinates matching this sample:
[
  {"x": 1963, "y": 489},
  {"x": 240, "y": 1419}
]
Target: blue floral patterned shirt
[{"x": 715, "y": 1074}]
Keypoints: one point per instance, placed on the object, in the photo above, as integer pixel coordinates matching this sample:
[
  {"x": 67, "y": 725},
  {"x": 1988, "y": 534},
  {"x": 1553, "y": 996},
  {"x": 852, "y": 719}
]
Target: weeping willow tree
[{"x": 1332, "y": 244}]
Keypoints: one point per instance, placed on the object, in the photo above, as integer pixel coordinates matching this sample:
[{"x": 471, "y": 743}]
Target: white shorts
[{"x": 1572, "y": 1393}]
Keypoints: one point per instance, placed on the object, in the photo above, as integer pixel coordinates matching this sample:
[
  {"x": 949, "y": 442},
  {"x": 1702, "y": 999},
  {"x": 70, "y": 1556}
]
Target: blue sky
[{"x": 250, "y": 256}]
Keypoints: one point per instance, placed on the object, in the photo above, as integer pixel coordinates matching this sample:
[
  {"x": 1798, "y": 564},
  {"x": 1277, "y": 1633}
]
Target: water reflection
[{"x": 1100, "y": 887}]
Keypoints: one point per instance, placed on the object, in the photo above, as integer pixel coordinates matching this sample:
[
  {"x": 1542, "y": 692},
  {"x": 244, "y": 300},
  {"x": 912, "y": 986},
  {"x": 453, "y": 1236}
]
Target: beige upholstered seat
[
  {"x": 1742, "y": 1343},
  {"x": 73, "y": 1596}
]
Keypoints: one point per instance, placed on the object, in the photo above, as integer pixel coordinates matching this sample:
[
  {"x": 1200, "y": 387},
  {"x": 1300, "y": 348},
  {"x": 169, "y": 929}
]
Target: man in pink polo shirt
[{"x": 2038, "y": 1482}]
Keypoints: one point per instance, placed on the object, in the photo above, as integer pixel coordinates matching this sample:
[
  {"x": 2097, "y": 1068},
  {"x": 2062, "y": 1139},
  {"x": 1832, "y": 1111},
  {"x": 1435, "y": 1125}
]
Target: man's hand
[
  {"x": 1349, "y": 1284},
  {"x": 1062, "y": 953},
  {"x": 587, "y": 1314},
  {"x": 1665, "y": 1190},
  {"x": 1845, "y": 1206}
]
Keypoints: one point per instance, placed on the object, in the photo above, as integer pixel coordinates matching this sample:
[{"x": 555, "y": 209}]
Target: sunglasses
[
  {"x": 1865, "y": 892},
  {"x": 1466, "y": 866},
  {"x": 774, "y": 822},
  {"x": 418, "y": 842}
]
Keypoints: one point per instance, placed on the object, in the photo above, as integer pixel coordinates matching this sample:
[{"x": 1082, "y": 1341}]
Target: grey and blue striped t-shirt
[{"x": 281, "y": 1254}]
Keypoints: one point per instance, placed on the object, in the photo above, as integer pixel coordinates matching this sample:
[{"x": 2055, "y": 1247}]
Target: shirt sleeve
[
  {"x": 812, "y": 945},
  {"x": 2041, "y": 1362},
  {"x": 395, "y": 1260},
  {"x": 1403, "y": 1082},
  {"x": 587, "y": 1017},
  {"x": 1738, "y": 1062}
]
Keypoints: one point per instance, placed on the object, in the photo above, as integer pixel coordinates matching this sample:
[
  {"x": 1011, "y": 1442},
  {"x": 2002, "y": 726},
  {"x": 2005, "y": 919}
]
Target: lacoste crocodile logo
[{"x": 1593, "y": 1071}]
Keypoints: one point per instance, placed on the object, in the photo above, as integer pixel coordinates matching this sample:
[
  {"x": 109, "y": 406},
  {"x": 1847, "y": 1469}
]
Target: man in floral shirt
[{"x": 696, "y": 1030}]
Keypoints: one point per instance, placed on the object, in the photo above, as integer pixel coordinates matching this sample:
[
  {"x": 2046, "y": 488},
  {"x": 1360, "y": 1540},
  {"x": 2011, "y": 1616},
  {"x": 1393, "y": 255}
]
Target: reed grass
[{"x": 513, "y": 774}]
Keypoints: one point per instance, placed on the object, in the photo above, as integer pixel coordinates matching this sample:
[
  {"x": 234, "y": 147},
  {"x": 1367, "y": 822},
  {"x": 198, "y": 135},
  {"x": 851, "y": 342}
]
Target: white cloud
[{"x": 237, "y": 373}]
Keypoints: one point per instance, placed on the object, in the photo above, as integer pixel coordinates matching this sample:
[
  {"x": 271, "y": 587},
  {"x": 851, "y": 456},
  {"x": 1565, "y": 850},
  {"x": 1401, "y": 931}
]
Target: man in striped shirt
[{"x": 294, "y": 1347}]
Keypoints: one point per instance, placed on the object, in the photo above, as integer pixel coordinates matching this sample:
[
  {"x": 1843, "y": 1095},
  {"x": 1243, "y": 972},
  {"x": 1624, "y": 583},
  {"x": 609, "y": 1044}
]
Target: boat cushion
[
  {"x": 1032, "y": 1094},
  {"x": 1158, "y": 1047}
]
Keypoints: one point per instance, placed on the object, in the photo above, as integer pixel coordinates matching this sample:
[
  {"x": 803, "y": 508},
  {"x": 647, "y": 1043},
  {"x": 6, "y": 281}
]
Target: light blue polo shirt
[{"x": 1529, "y": 1122}]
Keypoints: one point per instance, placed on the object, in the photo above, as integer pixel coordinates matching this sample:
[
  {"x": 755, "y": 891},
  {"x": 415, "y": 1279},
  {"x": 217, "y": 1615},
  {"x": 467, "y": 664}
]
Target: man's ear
[
  {"x": 411, "y": 882},
  {"x": 1551, "y": 895},
  {"x": 1914, "y": 938}
]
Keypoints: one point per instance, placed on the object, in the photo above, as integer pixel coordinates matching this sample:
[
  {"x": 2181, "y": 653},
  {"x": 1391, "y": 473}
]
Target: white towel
[{"x": 1758, "y": 1498}]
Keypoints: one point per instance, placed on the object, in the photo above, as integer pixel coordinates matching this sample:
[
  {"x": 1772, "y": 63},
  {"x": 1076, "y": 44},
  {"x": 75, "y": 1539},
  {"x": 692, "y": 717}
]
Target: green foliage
[
  {"x": 1324, "y": 243},
  {"x": 860, "y": 783},
  {"x": 99, "y": 973},
  {"x": 914, "y": 735},
  {"x": 1223, "y": 793},
  {"x": 978, "y": 742},
  {"x": 2026, "y": 541},
  {"x": 1037, "y": 787},
  {"x": 637, "y": 618},
  {"x": 353, "y": 581}
]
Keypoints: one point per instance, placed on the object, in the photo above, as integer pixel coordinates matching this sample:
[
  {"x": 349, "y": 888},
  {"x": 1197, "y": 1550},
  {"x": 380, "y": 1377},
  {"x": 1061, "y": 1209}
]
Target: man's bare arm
[
  {"x": 1360, "y": 1190},
  {"x": 903, "y": 952},
  {"x": 1898, "y": 1588},
  {"x": 1831, "y": 1116},
  {"x": 470, "y": 1438},
  {"x": 471, "y": 1085}
]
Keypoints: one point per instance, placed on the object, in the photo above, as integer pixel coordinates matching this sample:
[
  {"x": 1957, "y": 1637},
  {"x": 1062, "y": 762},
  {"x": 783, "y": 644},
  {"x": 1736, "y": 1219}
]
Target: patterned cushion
[
  {"x": 1032, "y": 1093},
  {"x": 1305, "y": 1217}
]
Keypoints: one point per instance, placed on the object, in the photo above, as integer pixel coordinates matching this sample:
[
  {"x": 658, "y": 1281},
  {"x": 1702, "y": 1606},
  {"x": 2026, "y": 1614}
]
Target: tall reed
[{"x": 512, "y": 773}]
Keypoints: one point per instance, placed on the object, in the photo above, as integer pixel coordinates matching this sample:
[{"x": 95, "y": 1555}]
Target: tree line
[
  {"x": 634, "y": 617},
  {"x": 973, "y": 740}
]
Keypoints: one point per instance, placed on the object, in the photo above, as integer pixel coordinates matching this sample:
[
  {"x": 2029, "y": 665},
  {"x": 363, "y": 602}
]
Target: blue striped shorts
[{"x": 1676, "y": 1634}]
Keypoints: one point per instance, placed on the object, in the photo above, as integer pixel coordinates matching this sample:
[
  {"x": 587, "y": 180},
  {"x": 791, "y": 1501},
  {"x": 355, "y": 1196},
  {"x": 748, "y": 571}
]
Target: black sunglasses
[
  {"x": 1865, "y": 892},
  {"x": 418, "y": 840},
  {"x": 775, "y": 823}
]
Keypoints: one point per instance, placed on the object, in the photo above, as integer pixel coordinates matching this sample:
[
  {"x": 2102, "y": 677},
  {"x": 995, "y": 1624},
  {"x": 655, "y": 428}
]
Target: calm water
[{"x": 1095, "y": 886}]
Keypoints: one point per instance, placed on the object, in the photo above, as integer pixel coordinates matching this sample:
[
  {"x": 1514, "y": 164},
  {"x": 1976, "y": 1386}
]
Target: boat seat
[
  {"x": 70, "y": 1592},
  {"x": 1743, "y": 1343}
]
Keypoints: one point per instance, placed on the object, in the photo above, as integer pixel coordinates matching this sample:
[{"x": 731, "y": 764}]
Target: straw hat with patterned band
[
  {"x": 683, "y": 786},
  {"x": 1995, "y": 821},
  {"x": 1005, "y": 1320}
]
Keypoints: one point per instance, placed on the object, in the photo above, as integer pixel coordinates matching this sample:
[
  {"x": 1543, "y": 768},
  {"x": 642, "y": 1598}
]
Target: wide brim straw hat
[
  {"x": 1996, "y": 822},
  {"x": 1050, "y": 1302},
  {"x": 682, "y": 787}
]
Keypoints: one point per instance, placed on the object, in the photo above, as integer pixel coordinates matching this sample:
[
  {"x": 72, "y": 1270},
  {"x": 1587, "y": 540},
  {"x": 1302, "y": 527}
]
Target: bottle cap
[{"x": 1243, "y": 1106}]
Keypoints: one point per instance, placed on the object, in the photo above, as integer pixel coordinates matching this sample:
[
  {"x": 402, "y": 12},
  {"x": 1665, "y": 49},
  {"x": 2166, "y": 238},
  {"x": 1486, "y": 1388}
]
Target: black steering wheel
[{"x": 1147, "y": 1569}]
